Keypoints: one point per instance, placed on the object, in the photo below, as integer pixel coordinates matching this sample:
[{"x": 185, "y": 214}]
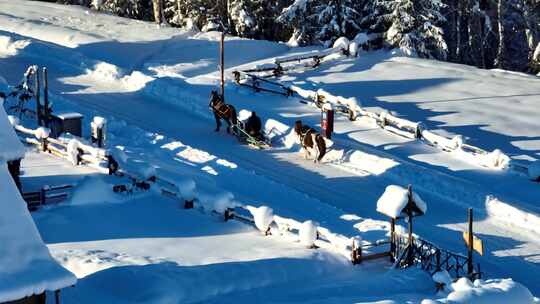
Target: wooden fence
[{"x": 46, "y": 195}]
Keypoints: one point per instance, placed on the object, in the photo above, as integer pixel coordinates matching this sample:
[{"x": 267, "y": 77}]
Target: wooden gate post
[
  {"x": 222, "y": 63},
  {"x": 392, "y": 240},
  {"x": 470, "y": 266},
  {"x": 410, "y": 220}
]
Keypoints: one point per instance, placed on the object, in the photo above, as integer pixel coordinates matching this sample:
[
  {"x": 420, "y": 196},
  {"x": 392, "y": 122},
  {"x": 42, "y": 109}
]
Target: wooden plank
[{"x": 478, "y": 245}]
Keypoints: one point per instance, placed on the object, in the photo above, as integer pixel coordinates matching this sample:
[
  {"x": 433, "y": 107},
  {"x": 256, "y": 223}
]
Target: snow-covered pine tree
[
  {"x": 136, "y": 9},
  {"x": 321, "y": 21},
  {"x": 414, "y": 26},
  {"x": 513, "y": 51},
  {"x": 243, "y": 21},
  {"x": 191, "y": 14}
]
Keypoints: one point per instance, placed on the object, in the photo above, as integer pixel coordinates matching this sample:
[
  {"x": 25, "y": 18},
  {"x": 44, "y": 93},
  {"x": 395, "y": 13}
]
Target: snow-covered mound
[
  {"x": 11, "y": 148},
  {"x": 394, "y": 200},
  {"x": 489, "y": 292},
  {"x": 26, "y": 267}
]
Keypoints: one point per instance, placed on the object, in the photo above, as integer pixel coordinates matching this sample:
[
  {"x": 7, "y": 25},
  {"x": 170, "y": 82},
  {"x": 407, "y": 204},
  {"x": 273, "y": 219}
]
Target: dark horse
[
  {"x": 222, "y": 111},
  {"x": 310, "y": 140}
]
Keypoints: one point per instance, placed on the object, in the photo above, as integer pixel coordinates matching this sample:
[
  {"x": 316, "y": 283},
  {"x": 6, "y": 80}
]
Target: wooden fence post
[
  {"x": 356, "y": 253},
  {"x": 42, "y": 196},
  {"x": 470, "y": 266},
  {"x": 392, "y": 240},
  {"x": 188, "y": 204}
]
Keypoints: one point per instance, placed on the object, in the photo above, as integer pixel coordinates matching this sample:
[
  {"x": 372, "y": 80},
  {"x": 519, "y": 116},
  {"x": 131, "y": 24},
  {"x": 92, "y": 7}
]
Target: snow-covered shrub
[
  {"x": 308, "y": 233},
  {"x": 534, "y": 170}
]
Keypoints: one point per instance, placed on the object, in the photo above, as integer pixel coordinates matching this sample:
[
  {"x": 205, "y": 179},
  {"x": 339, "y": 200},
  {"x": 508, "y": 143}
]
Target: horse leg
[
  {"x": 316, "y": 148},
  {"x": 228, "y": 126},
  {"x": 218, "y": 121}
]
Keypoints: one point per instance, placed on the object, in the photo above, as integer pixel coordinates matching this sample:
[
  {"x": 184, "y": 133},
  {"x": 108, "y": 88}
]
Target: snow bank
[
  {"x": 263, "y": 216},
  {"x": 26, "y": 267},
  {"x": 8, "y": 47},
  {"x": 94, "y": 190},
  {"x": 495, "y": 159},
  {"x": 510, "y": 215},
  {"x": 534, "y": 170},
  {"x": 489, "y": 292},
  {"x": 111, "y": 75},
  {"x": 395, "y": 198}
]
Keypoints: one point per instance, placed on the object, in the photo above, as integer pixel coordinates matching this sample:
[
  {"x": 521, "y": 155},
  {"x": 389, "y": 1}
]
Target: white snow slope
[{"x": 159, "y": 80}]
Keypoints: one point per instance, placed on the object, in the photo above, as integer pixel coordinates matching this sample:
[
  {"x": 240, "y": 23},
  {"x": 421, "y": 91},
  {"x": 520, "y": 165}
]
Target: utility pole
[
  {"x": 470, "y": 267},
  {"x": 45, "y": 98},
  {"x": 222, "y": 62},
  {"x": 38, "y": 102}
]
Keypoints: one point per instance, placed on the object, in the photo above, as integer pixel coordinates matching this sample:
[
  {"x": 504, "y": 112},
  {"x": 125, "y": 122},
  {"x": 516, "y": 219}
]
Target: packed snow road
[{"x": 89, "y": 78}]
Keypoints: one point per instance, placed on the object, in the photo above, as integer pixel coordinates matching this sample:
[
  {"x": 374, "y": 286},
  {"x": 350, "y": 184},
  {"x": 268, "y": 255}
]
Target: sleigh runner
[{"x": 243, "y": 136}]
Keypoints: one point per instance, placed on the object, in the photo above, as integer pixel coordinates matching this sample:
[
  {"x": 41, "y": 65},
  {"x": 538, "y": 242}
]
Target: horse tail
[{"x": 321, "y": 144}]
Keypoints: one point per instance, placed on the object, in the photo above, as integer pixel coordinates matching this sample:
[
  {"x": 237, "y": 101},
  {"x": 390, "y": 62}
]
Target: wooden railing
[{"x": 46, "y": 195}]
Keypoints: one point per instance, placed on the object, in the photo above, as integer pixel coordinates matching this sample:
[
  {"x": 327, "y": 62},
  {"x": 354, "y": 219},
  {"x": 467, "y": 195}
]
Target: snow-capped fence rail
[
  {"x": 282, "y": 65},
  {"x": 47, "y": 195},
  {"x": 416, "y": 130},
  {"x": 74, "y": 149},
  {"x": 307, "y": 233}
]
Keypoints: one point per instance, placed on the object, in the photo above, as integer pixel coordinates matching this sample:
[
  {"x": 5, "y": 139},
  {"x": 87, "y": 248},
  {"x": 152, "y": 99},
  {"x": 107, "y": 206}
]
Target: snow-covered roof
[
  {"x": 26, "y": 266},
  {"x": 11, "y": 147},
  {"x": 395, "y": 199}
]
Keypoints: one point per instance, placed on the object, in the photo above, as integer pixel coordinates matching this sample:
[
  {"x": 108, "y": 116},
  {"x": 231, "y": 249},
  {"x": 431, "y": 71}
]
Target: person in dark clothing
[
  {"x": 253, "y": 126},
  {"x": 216, "y": 102}
]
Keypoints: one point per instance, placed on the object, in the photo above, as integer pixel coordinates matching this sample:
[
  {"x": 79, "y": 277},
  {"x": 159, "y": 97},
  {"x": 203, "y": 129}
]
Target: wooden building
[{"x": 28, "y": 273}]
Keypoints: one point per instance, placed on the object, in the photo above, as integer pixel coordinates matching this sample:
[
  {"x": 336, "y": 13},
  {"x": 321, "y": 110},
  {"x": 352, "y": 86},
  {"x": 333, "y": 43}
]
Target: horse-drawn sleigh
[{"x": 247, "y": 130}]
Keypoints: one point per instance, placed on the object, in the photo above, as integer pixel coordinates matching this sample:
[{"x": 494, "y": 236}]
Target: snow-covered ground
[{"x": 153, "y": 85}]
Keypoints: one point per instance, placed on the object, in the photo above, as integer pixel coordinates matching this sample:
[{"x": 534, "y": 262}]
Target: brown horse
[
  {"x": 223, "y": 111},
  {"x": 310, "y": 140}
]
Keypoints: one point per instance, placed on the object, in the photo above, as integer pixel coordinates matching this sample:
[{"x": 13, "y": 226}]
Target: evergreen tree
[
  {"x": 513, "y": 51},
  {"x": 322, "y": 22},
  {"x": 411, "y": 25}
]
